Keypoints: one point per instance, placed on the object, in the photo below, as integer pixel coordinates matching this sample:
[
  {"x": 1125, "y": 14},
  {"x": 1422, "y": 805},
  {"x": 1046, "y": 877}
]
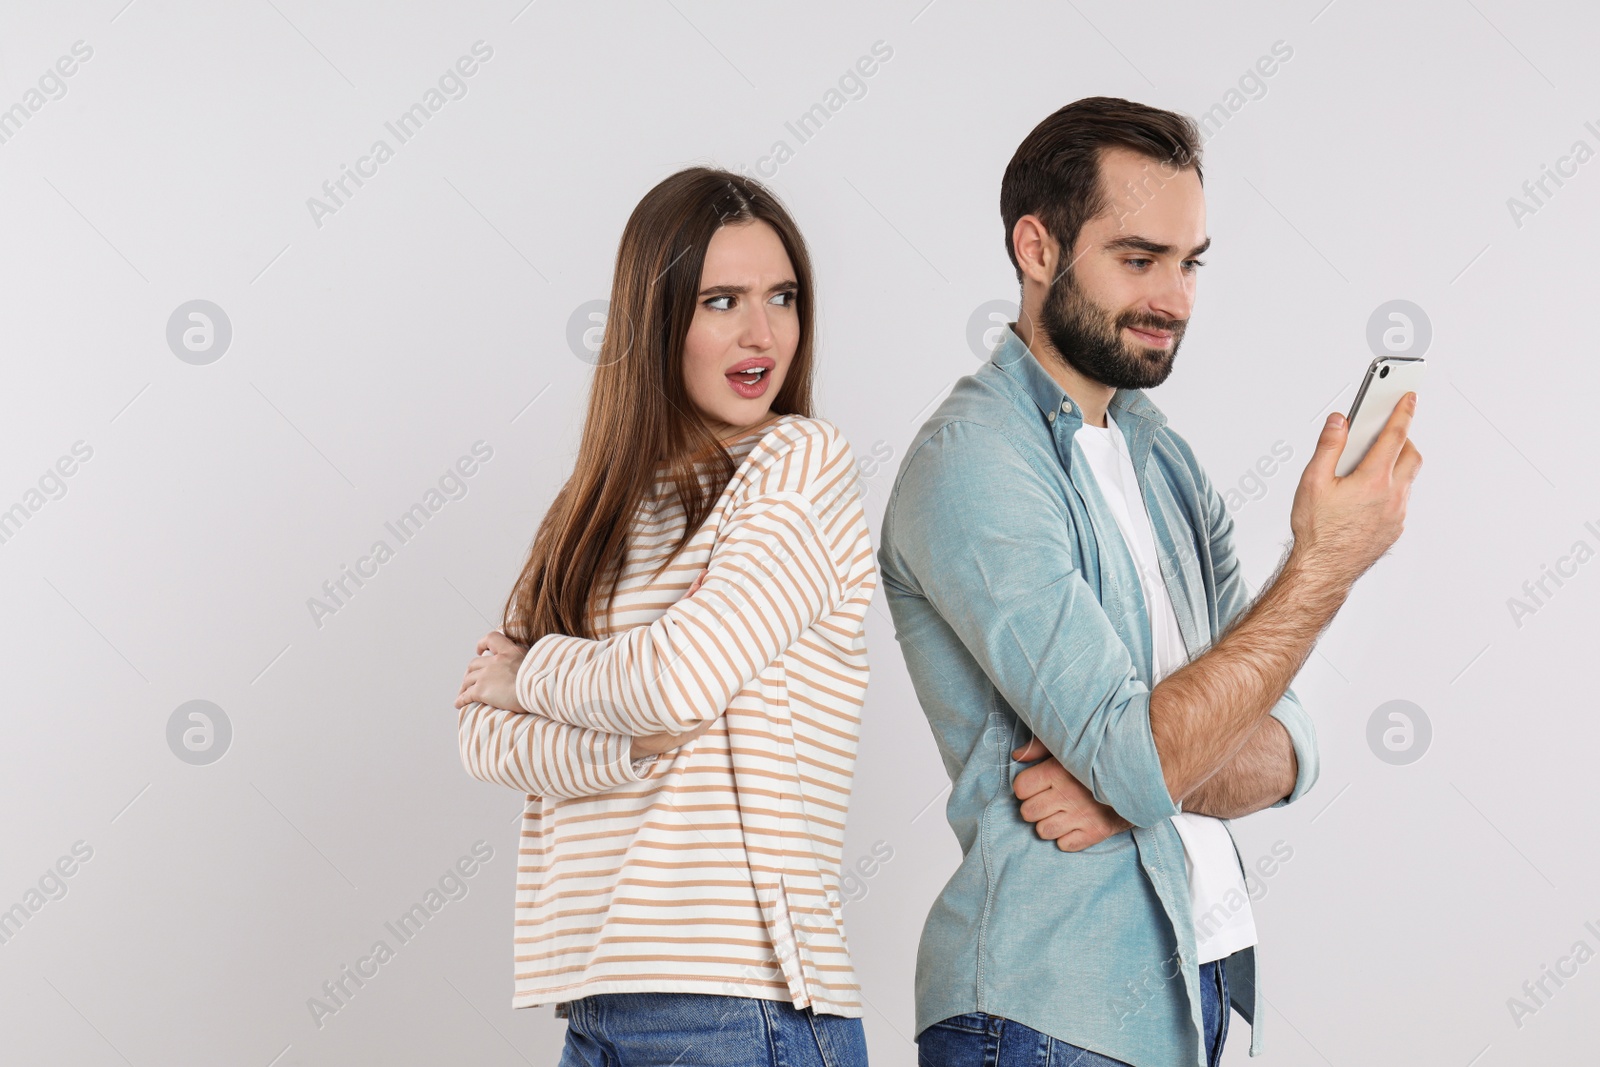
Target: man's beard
[{"x": 1091, "y": 342}]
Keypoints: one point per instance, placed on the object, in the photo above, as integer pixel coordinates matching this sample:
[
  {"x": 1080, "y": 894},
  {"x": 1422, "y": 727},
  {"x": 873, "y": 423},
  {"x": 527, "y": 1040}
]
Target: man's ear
[{"x": 1038, "y": 253}]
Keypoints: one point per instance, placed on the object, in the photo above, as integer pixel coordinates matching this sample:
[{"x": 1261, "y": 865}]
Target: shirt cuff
[
  {"x": 614, "y": 753},
  {"x": 1303, "y": 737}
]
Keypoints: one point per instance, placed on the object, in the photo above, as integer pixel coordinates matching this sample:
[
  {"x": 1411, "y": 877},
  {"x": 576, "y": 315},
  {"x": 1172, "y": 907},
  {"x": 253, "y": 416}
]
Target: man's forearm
[
  {"x": 1205, "y": 712},
  {"x": 1258, "y": 776}
]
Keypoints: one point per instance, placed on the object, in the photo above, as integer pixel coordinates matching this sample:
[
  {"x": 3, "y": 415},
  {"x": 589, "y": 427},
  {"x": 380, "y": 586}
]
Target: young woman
[{"x": 679, "y": 682}]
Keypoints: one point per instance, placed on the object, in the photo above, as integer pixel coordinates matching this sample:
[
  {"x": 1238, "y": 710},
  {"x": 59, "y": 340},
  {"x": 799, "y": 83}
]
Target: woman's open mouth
[{"x": 750, "y": 382}]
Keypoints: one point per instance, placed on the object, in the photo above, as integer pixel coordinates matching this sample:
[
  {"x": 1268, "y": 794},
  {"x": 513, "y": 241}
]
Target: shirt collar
[{"x": 1017, "y": 360}]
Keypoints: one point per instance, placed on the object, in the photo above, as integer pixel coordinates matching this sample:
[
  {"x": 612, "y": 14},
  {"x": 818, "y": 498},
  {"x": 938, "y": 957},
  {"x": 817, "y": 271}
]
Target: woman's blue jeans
[
  {"x": 706, "y": 1030},
  {"x": 981, "y": 1040}
]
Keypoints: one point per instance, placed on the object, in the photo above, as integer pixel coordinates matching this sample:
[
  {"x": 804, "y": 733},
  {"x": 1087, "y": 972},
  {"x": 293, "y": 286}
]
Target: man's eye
[{"x": 1188, "y": 264}]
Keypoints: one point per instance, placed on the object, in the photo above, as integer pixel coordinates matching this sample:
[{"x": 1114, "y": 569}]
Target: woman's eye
[
  {"x": 788, "y": 297},
  {"x": 712, "y": 303}
]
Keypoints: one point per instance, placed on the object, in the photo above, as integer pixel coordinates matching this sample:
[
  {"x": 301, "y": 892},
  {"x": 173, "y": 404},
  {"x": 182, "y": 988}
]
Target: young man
[{"x": 1059, "y": 565}]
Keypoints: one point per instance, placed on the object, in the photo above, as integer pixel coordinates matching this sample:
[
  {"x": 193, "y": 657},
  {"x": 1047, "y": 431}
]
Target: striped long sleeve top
[{"x": 715, "y": 868}]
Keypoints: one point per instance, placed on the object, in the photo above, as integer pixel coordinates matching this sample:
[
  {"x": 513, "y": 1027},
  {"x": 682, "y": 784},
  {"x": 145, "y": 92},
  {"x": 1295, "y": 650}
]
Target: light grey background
[{"x": 431, "y": 311}]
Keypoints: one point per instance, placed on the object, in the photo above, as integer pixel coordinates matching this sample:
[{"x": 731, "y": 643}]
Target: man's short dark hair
[{"x": 1055, "y": 173}]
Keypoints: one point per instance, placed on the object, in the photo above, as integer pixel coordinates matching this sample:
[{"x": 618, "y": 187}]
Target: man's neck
[{"x": 1092, "y": 397}]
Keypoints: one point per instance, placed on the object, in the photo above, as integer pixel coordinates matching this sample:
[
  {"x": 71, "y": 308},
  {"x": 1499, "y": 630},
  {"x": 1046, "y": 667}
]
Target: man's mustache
[{"x": 1172, "y": 326}]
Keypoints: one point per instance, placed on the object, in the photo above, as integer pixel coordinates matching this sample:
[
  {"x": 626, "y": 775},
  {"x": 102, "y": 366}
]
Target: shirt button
[
  {"x": 1066, "y": 407},
  {"x": 1051, "y": 417}
]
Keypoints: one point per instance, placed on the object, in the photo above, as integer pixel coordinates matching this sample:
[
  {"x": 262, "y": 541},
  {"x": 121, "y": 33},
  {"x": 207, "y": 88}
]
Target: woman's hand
[
  {"x": 492, "y": 678},
  {"x": 698, "y": 579}
]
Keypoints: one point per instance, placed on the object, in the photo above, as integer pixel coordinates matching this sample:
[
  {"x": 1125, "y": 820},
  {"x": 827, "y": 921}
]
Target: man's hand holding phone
[{"x": 1346, "y": 524}]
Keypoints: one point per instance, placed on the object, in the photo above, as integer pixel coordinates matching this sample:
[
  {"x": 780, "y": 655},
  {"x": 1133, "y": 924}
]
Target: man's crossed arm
[{"x": 1259, "y": 775}]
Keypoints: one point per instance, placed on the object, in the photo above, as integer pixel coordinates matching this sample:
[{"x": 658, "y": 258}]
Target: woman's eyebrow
[{"x": 740, "y": 290}]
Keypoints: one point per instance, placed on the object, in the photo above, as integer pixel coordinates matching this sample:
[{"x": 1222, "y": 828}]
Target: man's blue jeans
[
  {"x": 706, "y": 1030},
  {"x": 981, "y": 1040}
]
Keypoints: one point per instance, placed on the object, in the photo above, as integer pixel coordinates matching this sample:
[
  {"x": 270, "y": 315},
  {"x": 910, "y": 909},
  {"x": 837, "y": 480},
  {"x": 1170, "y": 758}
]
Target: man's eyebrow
[
  {"x": 1135, "y": 243},
  {"x": 740, "y": 290}
]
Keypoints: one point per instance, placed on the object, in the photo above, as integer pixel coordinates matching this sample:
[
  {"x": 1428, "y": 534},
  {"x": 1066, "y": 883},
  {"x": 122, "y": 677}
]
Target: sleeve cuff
[
  {"x": 1303, "y": 736},
  {"x": 1132, "y": 763},
  {"x": 613, "y": 753}
]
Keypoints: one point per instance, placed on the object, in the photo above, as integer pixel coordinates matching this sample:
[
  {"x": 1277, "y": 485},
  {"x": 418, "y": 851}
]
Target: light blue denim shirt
[{"x": 1017, "y": 606}]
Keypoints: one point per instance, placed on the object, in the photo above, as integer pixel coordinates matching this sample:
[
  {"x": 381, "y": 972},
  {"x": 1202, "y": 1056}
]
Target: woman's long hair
[{"x": 640, "y": 416}]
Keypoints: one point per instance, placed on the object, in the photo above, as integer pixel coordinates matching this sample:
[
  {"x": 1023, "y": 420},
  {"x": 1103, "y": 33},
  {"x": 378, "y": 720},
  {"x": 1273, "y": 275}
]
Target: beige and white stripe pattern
[{"x": 715, "y": 869}]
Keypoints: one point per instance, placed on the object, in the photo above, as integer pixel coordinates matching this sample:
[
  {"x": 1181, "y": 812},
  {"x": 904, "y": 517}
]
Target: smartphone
[{"x": 1388, "y": 379}]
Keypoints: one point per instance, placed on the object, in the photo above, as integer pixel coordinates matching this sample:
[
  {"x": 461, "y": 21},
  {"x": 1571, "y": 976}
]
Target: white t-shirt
[{"x": 1223, "y": 922}]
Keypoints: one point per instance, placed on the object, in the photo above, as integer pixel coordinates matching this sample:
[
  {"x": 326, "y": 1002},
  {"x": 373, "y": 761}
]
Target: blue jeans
[
  {"x": 981, "y": 1040},
  {"x": 706, "y": 1030}
]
